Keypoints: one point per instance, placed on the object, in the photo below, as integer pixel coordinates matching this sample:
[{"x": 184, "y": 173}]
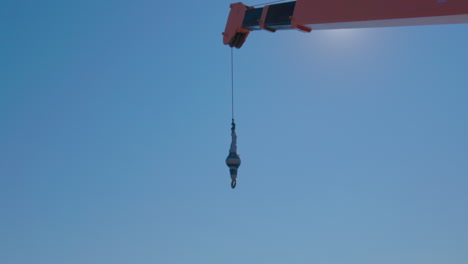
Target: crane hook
[
  {"x": 233, "y": 160},
  {"x": 233, "y": 184}
]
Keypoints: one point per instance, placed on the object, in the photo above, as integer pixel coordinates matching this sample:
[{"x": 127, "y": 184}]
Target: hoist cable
[{"x": 232, "y": 83}]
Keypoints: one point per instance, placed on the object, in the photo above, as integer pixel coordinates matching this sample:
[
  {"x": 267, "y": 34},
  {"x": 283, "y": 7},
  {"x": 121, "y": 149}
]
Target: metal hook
[{"x": 233, "y": 184}]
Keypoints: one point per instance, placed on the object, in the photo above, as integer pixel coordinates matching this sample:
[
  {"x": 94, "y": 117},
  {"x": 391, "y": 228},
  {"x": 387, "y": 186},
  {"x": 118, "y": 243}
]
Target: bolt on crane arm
[{"x": 308, "y": 15}]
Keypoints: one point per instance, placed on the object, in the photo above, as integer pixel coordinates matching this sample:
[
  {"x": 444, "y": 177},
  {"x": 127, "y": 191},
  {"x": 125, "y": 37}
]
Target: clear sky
[{"x": 115, "y": 124}]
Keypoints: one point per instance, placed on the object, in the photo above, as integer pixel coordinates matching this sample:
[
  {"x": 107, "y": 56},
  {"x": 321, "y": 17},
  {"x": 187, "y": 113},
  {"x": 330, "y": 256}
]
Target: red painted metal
[
  {"x": 327, "y": 14},
  {"x": 295, "y": 24},
  {"x": 309, "y": 12},
  {"x": 261, "y": 22},
  {"x": 234, "y": 25}
]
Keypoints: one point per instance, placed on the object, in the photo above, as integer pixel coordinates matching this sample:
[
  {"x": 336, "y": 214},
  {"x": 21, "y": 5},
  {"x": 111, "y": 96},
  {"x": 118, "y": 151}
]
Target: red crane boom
[{"x": 308, "y": 15}]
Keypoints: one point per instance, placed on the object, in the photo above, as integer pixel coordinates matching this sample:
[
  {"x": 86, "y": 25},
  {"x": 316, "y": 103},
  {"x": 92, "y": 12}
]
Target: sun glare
[
  {"x": 344, "y": 37},
  {"x": 343, "y": 42}
]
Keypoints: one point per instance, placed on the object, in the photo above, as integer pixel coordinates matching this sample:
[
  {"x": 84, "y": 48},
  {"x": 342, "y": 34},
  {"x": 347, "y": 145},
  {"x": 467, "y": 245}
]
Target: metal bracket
[
  {"x": 297, "y": 25},
  {"x": 262, "y": 20}
]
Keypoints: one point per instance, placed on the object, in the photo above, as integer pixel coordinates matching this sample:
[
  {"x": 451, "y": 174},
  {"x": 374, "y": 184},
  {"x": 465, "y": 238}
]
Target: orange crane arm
[{"x": 308, "y": 15}]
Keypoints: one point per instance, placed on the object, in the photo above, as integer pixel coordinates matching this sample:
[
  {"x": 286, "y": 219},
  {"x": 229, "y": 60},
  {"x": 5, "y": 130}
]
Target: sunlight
[
  {"x": 342, "y": 43},
  {"x": 344, "y": 38}
]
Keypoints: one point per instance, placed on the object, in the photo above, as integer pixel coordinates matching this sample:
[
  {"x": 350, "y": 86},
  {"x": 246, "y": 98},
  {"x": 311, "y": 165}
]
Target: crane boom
[{"x": 308, "y": 15}]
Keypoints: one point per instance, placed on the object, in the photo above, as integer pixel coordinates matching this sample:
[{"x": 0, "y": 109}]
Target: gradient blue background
[{"x": 114, "y": 127}]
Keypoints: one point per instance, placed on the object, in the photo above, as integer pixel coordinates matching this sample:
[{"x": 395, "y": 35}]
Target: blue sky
[{"x": 115, "y": 121}]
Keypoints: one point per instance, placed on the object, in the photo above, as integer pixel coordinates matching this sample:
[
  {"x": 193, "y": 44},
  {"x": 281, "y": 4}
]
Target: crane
[{"x": 308, "y": 15}]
